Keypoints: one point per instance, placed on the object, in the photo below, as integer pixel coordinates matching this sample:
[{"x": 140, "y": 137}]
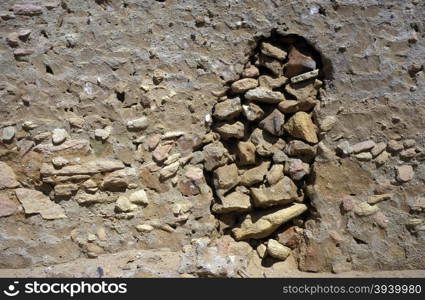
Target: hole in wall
[{"x": 263, "y": 141}]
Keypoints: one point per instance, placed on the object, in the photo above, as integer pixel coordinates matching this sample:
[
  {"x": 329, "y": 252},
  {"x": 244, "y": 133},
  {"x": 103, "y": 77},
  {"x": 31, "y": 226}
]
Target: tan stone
[
  {"x": 243, "y": 85},
  {"x": 272, "y": 51},
  {"x": 378, "y": 198},
  {"x": 232, "y": 130},
  {"x": 226, "y": 177},
  {"x": 246, "y": 153},
  {"x": 255, "y": 175},
  {"x": 264, "y": 95},
  {"x": 365, "y": 209},
  {"x": 259, "y": 225},
  {"x": 293, "y": 106},
  {"x": 283, "y": 192},
  {"x": 35, "y": 202},
  {"x": 277, "y": 250},
  {"x": 301, "y": 126},
  {"x": 275, "y": 174},
  {"x": 7, "y": 177},
  {"x": 234, "y": 202}
]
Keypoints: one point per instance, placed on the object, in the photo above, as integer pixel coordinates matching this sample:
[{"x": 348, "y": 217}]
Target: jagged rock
[
  {"x": 172, "y": 159},
  {"x": 7, "y": 177},
  {"x": 378, "y": 198},
  {"x": 301, "y": 150},
  {"x": 246, "y": 153},
  {"x": 409, "y": 143},
  {"x": 138, "y": 124},
  {"x": 8, "y": 133},
  {"x": 169, "y": 171},
  {"x": 272, "y": 51},
  {"x": 243, "y": 85},
  {"x": 275, "y": 174},
  {"x": 234, "y": 202},
  {"x": 225, "y": 178},
  {"x": 89, "y": 168},
  {"x": 59, "y": 135},
  {"x": 262, "y": 250},
  {"x": 304, "y": 92},
  {"x": 298, "y": 63},
  {"x": 296, "y": 169},
  {"x": 364, "y": 156},
  {"x": 258, "y": 225},
  {"x": 270, "y": 83},
  {"x": 252, "y": 112},
  {"x": 84, "y": 198},
  {"x": 305, "y": 76},
  {"x": 35, "y": 202},
  {"x": 67, "y": 147},
  {"x": 27, "y": 9},
  {"x": 232, "y": 130},
  {"x": 301, "y": 126},
  {"x": 265, "y": 143},
  {"x": 394, "y": 146},
  {"x": 255, "y": 175},
  {"x": 194, "y": 174},
  {"x": 293, "y": 106},
  {"x": 124, "y": 204},
  {"x": 408, "y": 153},
  {"x": 382, "y": 158},
  {"x": 161, "y": 152},
  {"x": 103, "y": 134},
  {"x": 283, "y": 192},
  {"x": 139, "y": 197},
  {"x": 279, "y": 157},
  {"x": 274, "y": 65},
  {"x": 363, "y": 146},
  {"x": 404, "y": 173},
  {"x": 378, "y": 149},
  {"x": 228, "y": 109},
  {"x": 277, "y": 250},
  {"x": 65, "y": 190},
  {"x": 365, "y": 209},
  {"x": 90, "y": 186},
  {"x": 291, "y": 237},
  {"x": 59, "y": 162},
  {"x": 215, "y": 156},
  {"x": 273, "y": 123},
  {"x": 117, "y": 180},
  {"x": 344, "y": 148},
  {"x": 250, "y": 72},
  {"x": 264, "y": 95},
  {"x": 7, "y": 206}
]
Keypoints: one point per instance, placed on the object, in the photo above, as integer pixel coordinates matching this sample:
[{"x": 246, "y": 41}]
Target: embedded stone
[
  {"x": 363, "y": 146},
  {"x": 272, "y": 51},
  {"x": 7, "y": 177},
  {"x": 298, "y": 63},
  {"x": 35, "y": 202},
  {"x": 215, "y": 155},
  {"x": 228, "y": 109},
  {"x": 365, "y": 209},
  {"x": 252, "y": 112},
  {"x": 234, "y": 202},
  {"x": 59, "y": 136},
  {"x": 273, "y": 123},
  {"x": 243, "y": 85},
  {"x": 283, "y": 192},
  {"x": 269, "y": 82},
  {"x": 277, "y": 250},
  {"x": 264, "y": 95},
  {"x": 404, "y": 173},
  {"x": 305, "y": 76},
  {"x": 255, "y": 175},
  {"x": 301, "y": 126},
  {"x": 233, "y": 130},
  {"x": 246, "y": 153},
  {"x": 226, "y": 177},
  {"x": 258, "y": 225},
  {"x": 293, "y": 106},
  {"x": 275, "y": 174}
]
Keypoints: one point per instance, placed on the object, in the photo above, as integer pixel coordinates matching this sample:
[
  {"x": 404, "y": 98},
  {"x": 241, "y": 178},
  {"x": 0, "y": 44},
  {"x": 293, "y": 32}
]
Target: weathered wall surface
[{"x": 121, "y": 77}]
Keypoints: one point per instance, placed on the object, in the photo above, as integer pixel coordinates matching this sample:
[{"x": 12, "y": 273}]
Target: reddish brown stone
[{"x": 298, "y": 63}]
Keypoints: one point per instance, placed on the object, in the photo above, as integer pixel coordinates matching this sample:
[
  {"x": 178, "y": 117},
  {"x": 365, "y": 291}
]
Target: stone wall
[{"x": 102, "y": 118}]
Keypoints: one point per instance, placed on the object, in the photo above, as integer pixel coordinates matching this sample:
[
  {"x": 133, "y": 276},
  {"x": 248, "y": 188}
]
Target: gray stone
[
  {"x": 35, "y": 202},
  {"x": 264, "y": 95},
  {"x": 283, "y": 192},
  {"x": 273, "y": 123},
  {"x": 228, "y": 109}
]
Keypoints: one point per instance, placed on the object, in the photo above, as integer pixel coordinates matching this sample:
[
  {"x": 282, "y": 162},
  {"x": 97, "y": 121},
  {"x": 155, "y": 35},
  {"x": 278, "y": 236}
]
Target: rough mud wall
[{"x": 103, "y": 107}]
